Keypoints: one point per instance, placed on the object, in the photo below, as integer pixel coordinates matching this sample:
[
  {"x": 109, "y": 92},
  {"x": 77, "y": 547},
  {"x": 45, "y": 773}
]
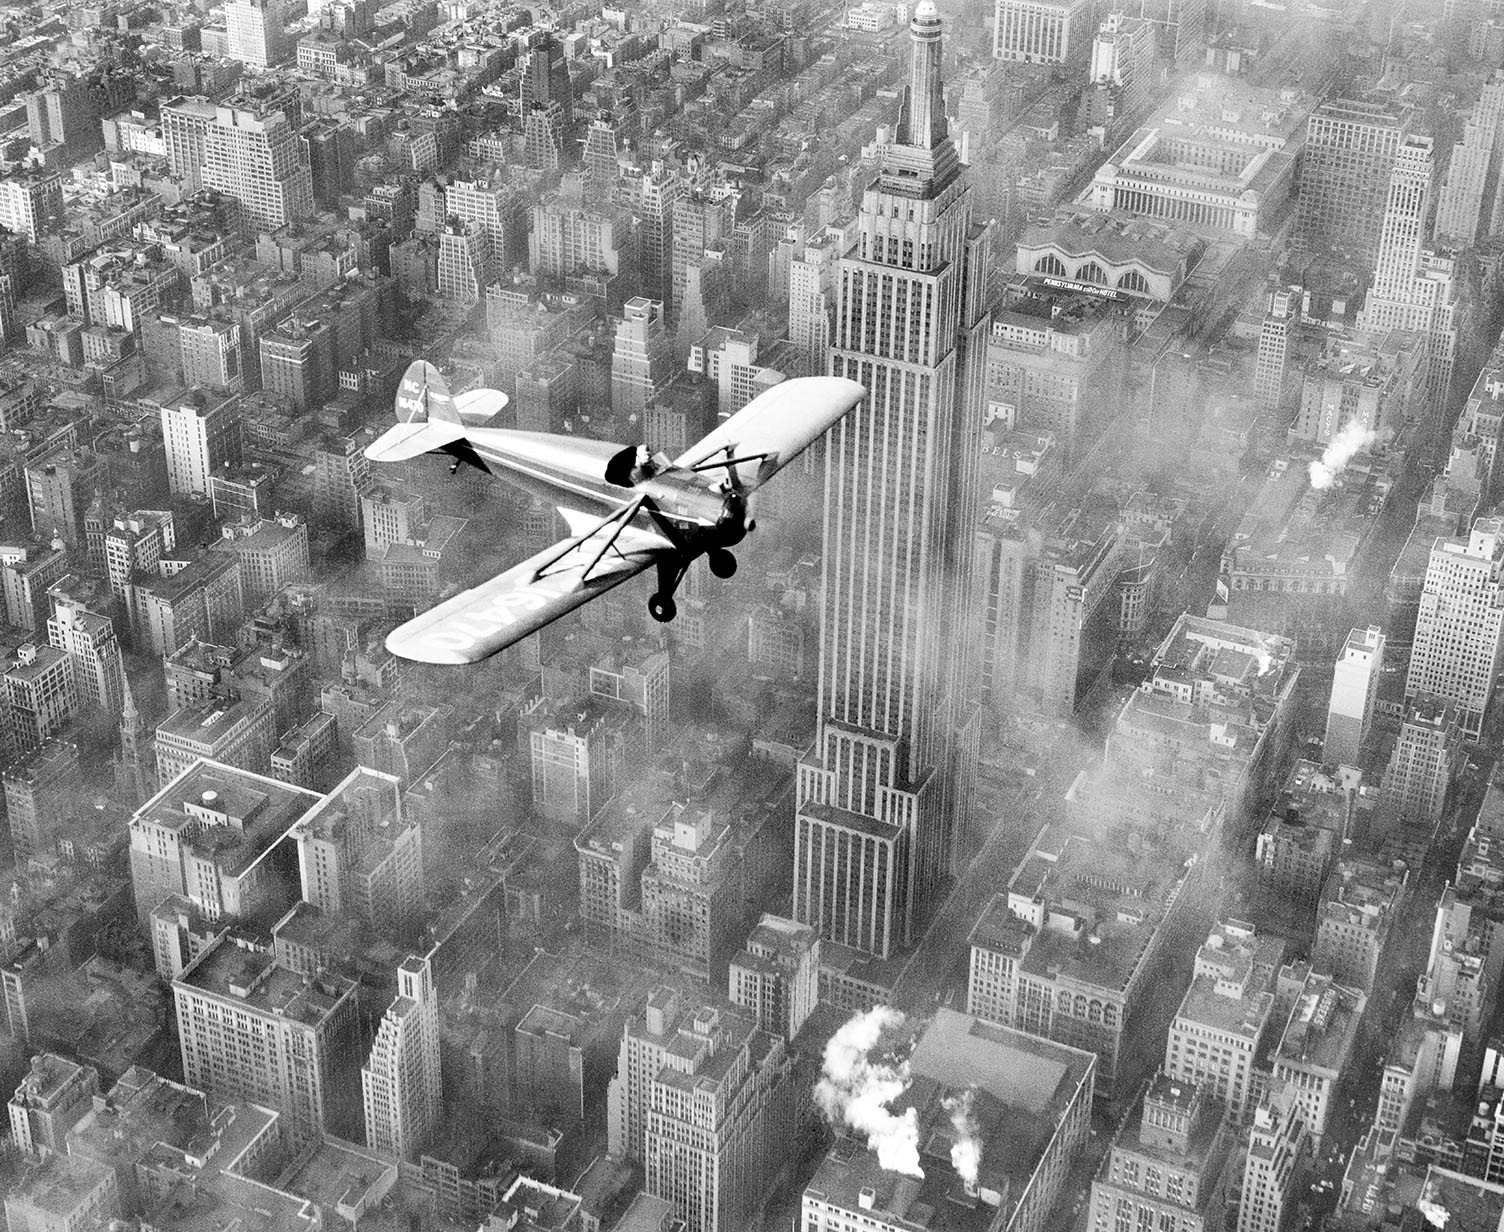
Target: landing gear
[
  {"x": 721, "y": 562},
  {"x": 662, "y": 608}
]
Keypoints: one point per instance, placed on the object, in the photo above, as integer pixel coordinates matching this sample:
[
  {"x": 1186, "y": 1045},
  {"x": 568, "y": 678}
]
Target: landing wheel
[
  {"x": 721, "y": 562},
  {"x": 662, "y": 608}
]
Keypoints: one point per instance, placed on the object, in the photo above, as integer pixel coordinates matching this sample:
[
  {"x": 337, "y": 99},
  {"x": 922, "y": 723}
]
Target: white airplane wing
[
  {"x": 775, "y": 427},
  {"x": 477, "y": 623}
]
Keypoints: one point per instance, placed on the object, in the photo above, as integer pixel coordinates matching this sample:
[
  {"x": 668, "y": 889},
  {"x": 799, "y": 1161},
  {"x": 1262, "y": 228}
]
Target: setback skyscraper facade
[
  {"x": 1344, "y": 178},
  {"x": 1459, "y": 633},
  {"x": 881, "y": 797}
]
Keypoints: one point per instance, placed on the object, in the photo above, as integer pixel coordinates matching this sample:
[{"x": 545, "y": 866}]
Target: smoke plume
[
  {"x": 855, "y": 1089},
  {"x": 966, "y": 1151},
  {"x": 1339, "y": 452}
]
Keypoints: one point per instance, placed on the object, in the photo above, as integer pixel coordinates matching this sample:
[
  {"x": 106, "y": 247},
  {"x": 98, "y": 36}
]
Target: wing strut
[
  {"x": 617, "y": 522},
  {"x": 728, "y": 463}
]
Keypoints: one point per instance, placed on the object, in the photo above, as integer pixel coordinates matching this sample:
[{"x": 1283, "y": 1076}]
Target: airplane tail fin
[
  {"x": 427, "y": 419},
  {"x": 424, "y": 395}
]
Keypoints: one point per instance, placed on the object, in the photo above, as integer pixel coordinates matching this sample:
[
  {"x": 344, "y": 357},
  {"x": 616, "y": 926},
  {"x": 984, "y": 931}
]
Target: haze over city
[{"x": 748, "y": 615}]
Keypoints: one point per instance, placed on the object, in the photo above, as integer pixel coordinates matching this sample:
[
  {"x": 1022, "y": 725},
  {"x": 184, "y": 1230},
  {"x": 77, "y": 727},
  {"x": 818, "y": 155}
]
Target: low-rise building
[
  {"x": 1030, "y": 1112},
  {"x": 1072, "y": 951},
  {"x": 1359, "y": 907},
  {"x": 1226, "y": 1026}
]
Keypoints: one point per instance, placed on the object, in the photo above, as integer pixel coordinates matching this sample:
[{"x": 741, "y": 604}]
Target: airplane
[{"x": 627, "y": 509}]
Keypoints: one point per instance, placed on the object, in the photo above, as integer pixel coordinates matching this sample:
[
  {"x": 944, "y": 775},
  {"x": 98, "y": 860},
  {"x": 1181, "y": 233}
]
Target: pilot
[
  {"x": 631, "y": 466},
  {"x": 644, "y": 465}
]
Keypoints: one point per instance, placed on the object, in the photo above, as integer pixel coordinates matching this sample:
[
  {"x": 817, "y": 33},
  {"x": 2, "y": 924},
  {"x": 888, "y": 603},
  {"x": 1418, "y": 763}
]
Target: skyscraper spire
[
  {"x": 923, "y": 158},
  {"x": 923, "y": 124}
]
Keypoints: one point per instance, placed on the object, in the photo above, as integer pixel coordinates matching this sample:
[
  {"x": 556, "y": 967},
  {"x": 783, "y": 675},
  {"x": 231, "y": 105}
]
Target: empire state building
[{"x": 882, "y": 794}]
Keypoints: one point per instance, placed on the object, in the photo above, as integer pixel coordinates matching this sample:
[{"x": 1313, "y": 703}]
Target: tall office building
[
  {"x": 1272, "y": 1166},
  {"x": 464, "y": 261},
  {"x": 1464, "y": 208},
  {"x": 777, "y": 975},
  {"x": 1180, "y": 27},
  {"x": 492, "y": 206},
  {"x": 572, "y": 240},
  {"x": 650, "y": 195},
  {"x": 1413, "y": 287},
  {"x": 1344, "y": 179},
  {"x": 39, "y": 791},
  {"x": 1355, "y": 686},
  {"x": 1274, "y": 347},
  {"x": 1402, "y": 232},
  {"x": 543, "y": 140},
  {"x": 256, "y": 157},
  {"x": 360, "y": 854},
  {"x": 704, "y": 1100},
  {"x": 642, "y": 360},
  {"x": 545, "y": 80},
  {"x": 885, "y": 793},
  {"x": 185, "y": 123},
  {"x": 1042, "y": 31},
  {"x": 1170, "y": 1166},
  {"x": 602, "y": 168},
  {"x": 39, "y": 695},
  {"x": 254, "y": 32},
  {"x": 400, "y": 1081},
  {"x": 31, "y": 204},
  {"x": 88, "y": 638},
  {"x": 1424, "y": 761},
  {"x": 1226, "y": 1019},
  {"x": 210, "y": 351},
  {"x": 1457, "y": 650},
  {"x": 812, "y": 300},
  {"x": 51, "y": 1099},
  {"x": 202, "y": 432},
  {"x": 254, "y": 1031},
  {"x": 1122, "y": 76},
  {"x": 204, "y": 837},
  {"x": 702, "y": 222}
]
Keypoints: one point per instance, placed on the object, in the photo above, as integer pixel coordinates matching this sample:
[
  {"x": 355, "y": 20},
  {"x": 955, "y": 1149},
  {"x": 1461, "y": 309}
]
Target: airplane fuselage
[{"x": 568, "y": 471}]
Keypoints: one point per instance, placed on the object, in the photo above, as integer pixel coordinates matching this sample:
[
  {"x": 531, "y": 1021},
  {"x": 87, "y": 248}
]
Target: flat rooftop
[
  {"x": 262, "y": 985},
  {"x": 239, "y": 815}
]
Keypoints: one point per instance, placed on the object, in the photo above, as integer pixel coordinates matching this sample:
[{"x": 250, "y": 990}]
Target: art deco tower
[{"x": 888, "y": 783}]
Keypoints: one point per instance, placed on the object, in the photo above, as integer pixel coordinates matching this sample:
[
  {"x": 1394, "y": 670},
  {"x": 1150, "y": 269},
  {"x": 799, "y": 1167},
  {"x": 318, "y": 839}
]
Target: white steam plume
[
  {"x": 1339, "y": 452},
  {"x": 966, "y": 1151},
  {"x": 1436, "y": 1214},
  {"x": 856, "y": 1090}
]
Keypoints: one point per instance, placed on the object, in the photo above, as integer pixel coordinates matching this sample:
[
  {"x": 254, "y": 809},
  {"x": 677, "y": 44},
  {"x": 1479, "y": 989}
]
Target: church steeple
[{"x": 131, "y": 767}]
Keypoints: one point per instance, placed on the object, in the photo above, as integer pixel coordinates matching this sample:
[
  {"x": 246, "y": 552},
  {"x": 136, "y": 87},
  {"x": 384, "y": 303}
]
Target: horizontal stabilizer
[{"x": 409, "y": 440}]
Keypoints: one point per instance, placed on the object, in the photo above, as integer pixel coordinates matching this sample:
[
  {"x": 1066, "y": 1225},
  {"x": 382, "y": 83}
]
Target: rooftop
[
  {"x": 262, "y": 985},
  {"x": 1323, "y": 1026},
  {"x": 232, "y": 813},
  {"x": 47, "y": 1078},
  {"x": 59, "y": 1183},
  {"x": 1021, "y": 1088}
]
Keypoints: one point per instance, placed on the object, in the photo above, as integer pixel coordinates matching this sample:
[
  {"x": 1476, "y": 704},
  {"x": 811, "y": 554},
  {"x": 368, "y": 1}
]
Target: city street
[{"x": 1019, "y": 806}]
